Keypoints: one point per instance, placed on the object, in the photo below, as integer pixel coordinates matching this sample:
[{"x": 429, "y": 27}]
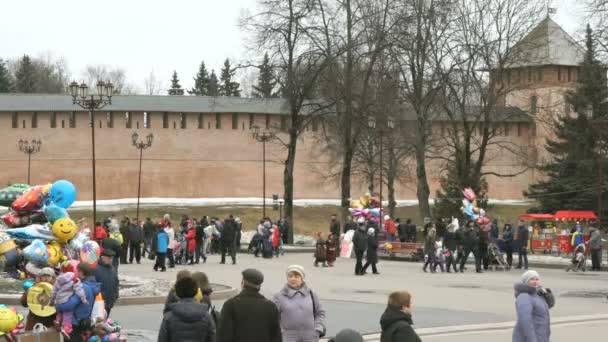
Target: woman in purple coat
[
  {"x": 532, "y": 302},
  {"x": 302, "y": 316}
]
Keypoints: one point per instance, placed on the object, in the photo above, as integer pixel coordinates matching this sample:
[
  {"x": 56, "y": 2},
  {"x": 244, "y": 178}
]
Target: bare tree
[
  {"x": 482, "y": 47},
  {"x": 153, "y": 86},
  {"x": 598, "y": 15},
  {"x": 419, "y": 36},
  {"x": 286, "y": 30},
  {"x": 94, "y": 73}
]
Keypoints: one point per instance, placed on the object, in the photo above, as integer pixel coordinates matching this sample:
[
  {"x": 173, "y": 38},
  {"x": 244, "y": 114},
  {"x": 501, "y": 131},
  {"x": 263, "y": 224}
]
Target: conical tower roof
[{"x": 547, "y": 44}]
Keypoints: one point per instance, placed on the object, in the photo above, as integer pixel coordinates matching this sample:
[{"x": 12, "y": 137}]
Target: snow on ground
[{"x": 118, "y": 204}]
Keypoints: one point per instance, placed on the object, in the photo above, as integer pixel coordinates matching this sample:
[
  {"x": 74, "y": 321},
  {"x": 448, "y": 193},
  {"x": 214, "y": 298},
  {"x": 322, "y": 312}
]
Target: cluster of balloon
[
  {"x": 367, "y": 206},
  {"x": 11, "y": 322},
  {"x": 39, "y": 223},
  {"x": 472, "y": 211}
]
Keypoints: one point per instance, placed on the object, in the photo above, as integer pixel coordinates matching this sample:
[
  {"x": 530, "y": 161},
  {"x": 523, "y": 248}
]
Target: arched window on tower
[
  {"x": 567, "y": 106},
  {"x": 533, "y": 104},
  {"x": 146, "y": 120}
]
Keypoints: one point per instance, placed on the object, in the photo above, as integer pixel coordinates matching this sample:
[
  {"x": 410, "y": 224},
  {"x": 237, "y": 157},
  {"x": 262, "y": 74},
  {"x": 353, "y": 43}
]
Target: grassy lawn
[{"x": 308, "y": 219}]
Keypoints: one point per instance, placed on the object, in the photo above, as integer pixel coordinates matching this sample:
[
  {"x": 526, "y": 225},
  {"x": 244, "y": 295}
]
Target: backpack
[{"x": 117, "y": 236}]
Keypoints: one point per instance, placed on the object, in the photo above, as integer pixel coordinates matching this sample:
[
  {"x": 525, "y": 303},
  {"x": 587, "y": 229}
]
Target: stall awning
[
  {"x": 537, "y": 217},
  {"x": 575, "y": 215}
]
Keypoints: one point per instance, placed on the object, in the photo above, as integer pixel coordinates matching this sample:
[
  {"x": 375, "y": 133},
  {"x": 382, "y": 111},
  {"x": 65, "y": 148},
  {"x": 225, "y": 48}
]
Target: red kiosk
[
  {"x": 565, "y": 241},
  {"x": 543, "y": 232}
]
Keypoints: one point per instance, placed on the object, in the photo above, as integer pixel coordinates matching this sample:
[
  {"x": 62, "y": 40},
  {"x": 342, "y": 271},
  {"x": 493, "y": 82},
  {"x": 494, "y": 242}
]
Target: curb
[
  {"x": 15, "y": 300},
  {"x": 478, "y": 328}
]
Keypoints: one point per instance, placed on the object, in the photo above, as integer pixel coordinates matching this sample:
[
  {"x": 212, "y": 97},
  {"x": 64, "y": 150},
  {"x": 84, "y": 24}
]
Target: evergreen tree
[
  {"x": 25, "y": 76},
  {"x": 213, "y": 88},
  {"x": 266, "y": 80},
  {"x": 201, "y": 82},
  {"x": 228, "y": 87},
  {"x": 571, "y": 176},
  {"x": 176, "y": 88},
  {"x": 5, "y": 81}
]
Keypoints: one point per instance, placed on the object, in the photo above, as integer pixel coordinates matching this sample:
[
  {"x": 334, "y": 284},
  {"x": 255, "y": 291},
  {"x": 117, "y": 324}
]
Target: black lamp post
[
  {"x": 29, "y": 148},
  {"x": 387, "y": 125},
  {"x": 92, "y": 102},
  {"x": 141, "y": 146},
  {"x": 263, "y": 137}
]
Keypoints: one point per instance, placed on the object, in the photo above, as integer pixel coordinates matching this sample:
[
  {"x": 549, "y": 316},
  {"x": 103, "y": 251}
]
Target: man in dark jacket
[
  {"x": 396, "y": 321},
  {"x": 483, "y": 248},
  {"x": 136, "y": 237},
  {"x": 450, "y": 244},
  {"x": 106, "y": 275},
  {"x": 125, "y": 224},
  {"x": 372, "y": 252},
  {"x": 187, "y": 320},
  {"x": 249, "y": 316},
  {"x": 199, "y": 237},
  {"x": 507, "y": 237},
  {"x": 113, "y": 245},
  {"x": 595, "y": 244},
  {"x": 228, "y": 239},
  {"x": 410, "y": 229},
  {"x": 522, "y": 242},
  {"x": 149, "y": 231},
  {"x": 471, "y": 245},
  {"x": 494, "y": 231},
  {"x": 359, "y": 245}
]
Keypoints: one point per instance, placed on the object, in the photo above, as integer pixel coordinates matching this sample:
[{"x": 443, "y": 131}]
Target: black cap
[
  {"x": 108, "y": 252},
  {"x": 253, "y": 278}
]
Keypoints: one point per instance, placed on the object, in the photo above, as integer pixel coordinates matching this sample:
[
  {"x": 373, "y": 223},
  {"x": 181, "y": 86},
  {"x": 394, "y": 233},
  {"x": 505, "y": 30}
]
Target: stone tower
[{"x": 543, "y": 67}]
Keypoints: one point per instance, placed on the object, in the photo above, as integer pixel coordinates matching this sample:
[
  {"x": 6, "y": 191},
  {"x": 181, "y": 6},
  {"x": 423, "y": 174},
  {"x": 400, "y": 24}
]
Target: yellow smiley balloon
[
  {"x": 55, "y": 253},
  {"x": 9, "y": 320},
  {"x": 64, "y": 229}
]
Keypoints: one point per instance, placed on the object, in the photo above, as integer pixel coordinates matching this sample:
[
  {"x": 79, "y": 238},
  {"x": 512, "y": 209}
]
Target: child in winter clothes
[
  {"x": 331, "y": 250},
  {"x": 320, "y": 251},
  {"x": 276, "y": 239},
  {"x": 66, "y": 285},
  {"x": 190, "y": 243},
  {"x": 439, "y": 257}
]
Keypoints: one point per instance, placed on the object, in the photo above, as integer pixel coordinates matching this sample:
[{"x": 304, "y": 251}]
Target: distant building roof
[
  {"x": 547, "y": 44},
  {"x": 145, "y": 103}
]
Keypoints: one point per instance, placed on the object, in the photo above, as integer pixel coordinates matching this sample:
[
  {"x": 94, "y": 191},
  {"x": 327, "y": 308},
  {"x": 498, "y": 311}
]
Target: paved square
[{"x": 439, "y": 300}]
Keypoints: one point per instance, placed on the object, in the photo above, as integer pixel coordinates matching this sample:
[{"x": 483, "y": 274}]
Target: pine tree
[
  {"x": 25, "y": 76},
  {"x": 571, "y": 176},
  {"x": 266, "y": 81},
  {"x": 213, "y": 88},
  {"x": 227, "y": 86},
  {"x": 176, "y": 88},
  {"x": 201, "y": 82},
  {"x": 5, "y": 81}
]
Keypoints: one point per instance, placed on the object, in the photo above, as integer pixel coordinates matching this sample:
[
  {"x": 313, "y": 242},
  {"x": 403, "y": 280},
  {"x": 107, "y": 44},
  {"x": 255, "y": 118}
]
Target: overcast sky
[{"x": 141, "y": 36}]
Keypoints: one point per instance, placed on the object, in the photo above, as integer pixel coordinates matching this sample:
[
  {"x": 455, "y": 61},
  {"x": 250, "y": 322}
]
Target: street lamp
[
  {"x": 263, "y": 137},
  {"x": 141, "y": 146},
  {"x": 30, "y": 148},
  {"x": 81, "y": 97},
  {"x": 387, "y": 125}
]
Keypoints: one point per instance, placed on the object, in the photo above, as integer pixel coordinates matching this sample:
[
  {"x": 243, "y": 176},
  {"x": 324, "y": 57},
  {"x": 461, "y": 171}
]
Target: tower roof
[{"x": 547, "y": 44}]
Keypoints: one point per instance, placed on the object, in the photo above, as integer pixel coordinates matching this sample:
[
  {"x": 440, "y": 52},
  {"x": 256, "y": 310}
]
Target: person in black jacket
[
  {"x": 149, "y": 232},
  {"x": 136, "y": 237},
  {"x": 228, "y": 239},
  {"x": 396, "y": 321},
  {"x": 411, "y": 230},
  {"x": 249, "y": 316},
  {"x": 112, "y": 244},
  {"x": 187, "y": 320},
  {"x": 372, "y": 252},
  {"x": 106, "y": 275},
  {"x": 449, "y": 243},
  {"x": 507, "y": 237},
  {"x": 199, "y": 239},
  {"x": 125, "y": 224},
  {"x": 359, "y": 245},
  {"x": 522, "y": 241},
  {"x": 471, "y": 245},
  {"x": 483, "y": 248}
]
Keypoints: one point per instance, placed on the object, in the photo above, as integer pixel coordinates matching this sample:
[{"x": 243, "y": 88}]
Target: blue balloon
[
  {"x": 36, "y": 252},
  {"x": 53, "y": 212},
  {"x": 63, "y": 193},
  {"x": 27, "y": 284}
]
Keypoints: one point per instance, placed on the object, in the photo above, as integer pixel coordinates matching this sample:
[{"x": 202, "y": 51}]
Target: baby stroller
[
  {"x": 579, "y": 260},
  {"x": 497, "y": 259}
]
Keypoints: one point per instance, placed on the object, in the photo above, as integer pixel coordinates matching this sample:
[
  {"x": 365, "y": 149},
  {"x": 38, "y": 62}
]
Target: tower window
[
  {"x": 539, "y": 76},
  {"x": 200, "y": 120},
  {"x": 569, "y": 74},
  {"x": 110, "y": 120},
  {"x": 15, "y": 120},
  {"x": 283, "y": 123},
  {"x": 146, "y": 120},
  {"x": 182, "y": 120},
  {"x": 235, "y": 121},
  {"x": 35, "y": 120},
  {"x": 72, "y": 120},
  {"x": 128, "y": 119},
  {"x": 165, "y": 120},
  {"x": 529, "y": 75},
  {"x": 53, "y": 120},
  {"x": 251, "y": 121},
  {"x": 559, "y": 74},
  {"x": 533, "y": 104},
  {"x": 218, "y": 121}
]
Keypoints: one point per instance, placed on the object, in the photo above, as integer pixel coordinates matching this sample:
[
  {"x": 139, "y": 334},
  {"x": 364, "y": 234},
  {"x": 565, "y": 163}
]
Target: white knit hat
[
  {"x": 297, "y": 269},
  {"x": 525, "y": 278}
]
